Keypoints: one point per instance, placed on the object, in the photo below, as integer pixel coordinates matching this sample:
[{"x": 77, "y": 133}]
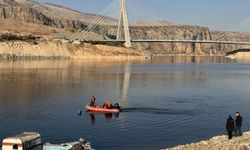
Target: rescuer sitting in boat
[
  {"x": 92, "y": 101},
  {"x": 107, "y": 104}
]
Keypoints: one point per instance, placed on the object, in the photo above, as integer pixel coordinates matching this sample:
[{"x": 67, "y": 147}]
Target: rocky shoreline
[
  {"x": 219, "y": 143},
  {"x": 45, "y": 49},
  {"x": 27, "y": 47}
]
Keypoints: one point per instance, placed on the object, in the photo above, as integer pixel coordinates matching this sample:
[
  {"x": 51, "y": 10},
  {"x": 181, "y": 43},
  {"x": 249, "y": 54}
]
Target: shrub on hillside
[{"x": 12, "y": 37}]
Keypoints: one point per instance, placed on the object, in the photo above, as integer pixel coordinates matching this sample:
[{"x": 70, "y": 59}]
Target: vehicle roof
[{"x": 23, "y": 137}]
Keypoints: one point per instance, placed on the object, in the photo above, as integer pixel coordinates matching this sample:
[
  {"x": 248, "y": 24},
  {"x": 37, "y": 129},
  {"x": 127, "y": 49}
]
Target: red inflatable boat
[{"x": 101, "y": 110}]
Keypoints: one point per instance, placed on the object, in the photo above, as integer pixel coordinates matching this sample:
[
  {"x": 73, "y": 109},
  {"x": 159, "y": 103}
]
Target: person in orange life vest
[
  {"x": 92, "y": 101},
  {"x": 107, "y": 104}
]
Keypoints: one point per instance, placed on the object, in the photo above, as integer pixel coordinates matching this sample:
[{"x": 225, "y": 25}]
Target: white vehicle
[{"x": 23, "y": 141}]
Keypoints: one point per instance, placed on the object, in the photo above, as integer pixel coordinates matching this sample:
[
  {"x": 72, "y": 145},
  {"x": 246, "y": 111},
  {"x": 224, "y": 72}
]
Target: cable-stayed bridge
[{"x": 129, "y": 21}]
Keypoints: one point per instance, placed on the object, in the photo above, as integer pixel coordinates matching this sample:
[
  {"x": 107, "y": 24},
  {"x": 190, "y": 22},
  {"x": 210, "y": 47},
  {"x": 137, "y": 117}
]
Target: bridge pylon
[{"x": 123, "y": 25}]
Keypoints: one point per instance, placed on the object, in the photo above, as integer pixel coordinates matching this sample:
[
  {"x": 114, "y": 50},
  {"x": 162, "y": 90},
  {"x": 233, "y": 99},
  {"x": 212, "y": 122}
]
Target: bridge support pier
[{"x": 123, "y": 25}]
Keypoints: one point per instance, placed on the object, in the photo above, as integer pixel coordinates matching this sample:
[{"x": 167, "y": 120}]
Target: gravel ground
[{"x": 219, "y": 143}]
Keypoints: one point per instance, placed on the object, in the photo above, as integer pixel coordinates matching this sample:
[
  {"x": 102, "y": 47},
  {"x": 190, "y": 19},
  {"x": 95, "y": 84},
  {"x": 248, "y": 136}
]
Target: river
[{"x": 167, "y": 101}]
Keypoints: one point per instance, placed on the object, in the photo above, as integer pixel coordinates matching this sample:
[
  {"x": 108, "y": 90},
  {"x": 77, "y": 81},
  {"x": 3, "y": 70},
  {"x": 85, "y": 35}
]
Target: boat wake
[{"x": 158, "y": 111}]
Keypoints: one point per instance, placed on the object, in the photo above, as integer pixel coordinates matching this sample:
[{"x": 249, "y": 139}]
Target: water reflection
[
  {"x": 192, "y": 59},
  {"x": 28, "y": 82},
  {"x": 173, "y": 96},
  {"x": 92, "y": 118},
  {"x": 106, "y": 62},
  {"x": 107, "y": 116},
  {"x": 124, "y": 85}
]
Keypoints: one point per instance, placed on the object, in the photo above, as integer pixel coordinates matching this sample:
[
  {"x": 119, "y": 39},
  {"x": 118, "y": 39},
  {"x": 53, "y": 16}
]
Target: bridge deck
[{"x": 184, "y": 41}]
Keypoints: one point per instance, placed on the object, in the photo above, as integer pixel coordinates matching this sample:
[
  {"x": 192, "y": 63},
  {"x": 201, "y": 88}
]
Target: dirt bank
[{"x": 44, "y": 49}]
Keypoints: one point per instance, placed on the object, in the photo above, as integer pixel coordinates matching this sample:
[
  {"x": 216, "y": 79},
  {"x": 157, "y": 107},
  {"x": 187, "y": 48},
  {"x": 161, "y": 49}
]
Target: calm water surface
[{"x": 167, "y": 100}]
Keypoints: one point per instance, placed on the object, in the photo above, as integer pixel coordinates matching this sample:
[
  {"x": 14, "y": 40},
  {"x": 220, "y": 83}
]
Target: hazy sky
[{"x": 216, "y": 14}]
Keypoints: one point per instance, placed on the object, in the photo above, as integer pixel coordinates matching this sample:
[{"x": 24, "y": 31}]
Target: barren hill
[{"x": 30, "y": 11}]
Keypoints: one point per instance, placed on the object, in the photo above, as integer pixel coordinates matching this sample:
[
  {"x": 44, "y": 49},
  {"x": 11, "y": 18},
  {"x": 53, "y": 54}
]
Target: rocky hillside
[
  {"x": 27, "y": 13},
  {"x": 219, "y": 143},
  {"x": 180, "y": 32},
  {"x": 45, "y": 14},
  {"x": 8, "y": 2}
]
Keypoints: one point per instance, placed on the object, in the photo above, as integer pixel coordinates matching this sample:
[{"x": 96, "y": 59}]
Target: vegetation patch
[
  {"x": 237, "y": 51},
  {"x": 13, "y": 57},
  {"x": 12, "y": 37},
  {"x": 108, "y": 43}
]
